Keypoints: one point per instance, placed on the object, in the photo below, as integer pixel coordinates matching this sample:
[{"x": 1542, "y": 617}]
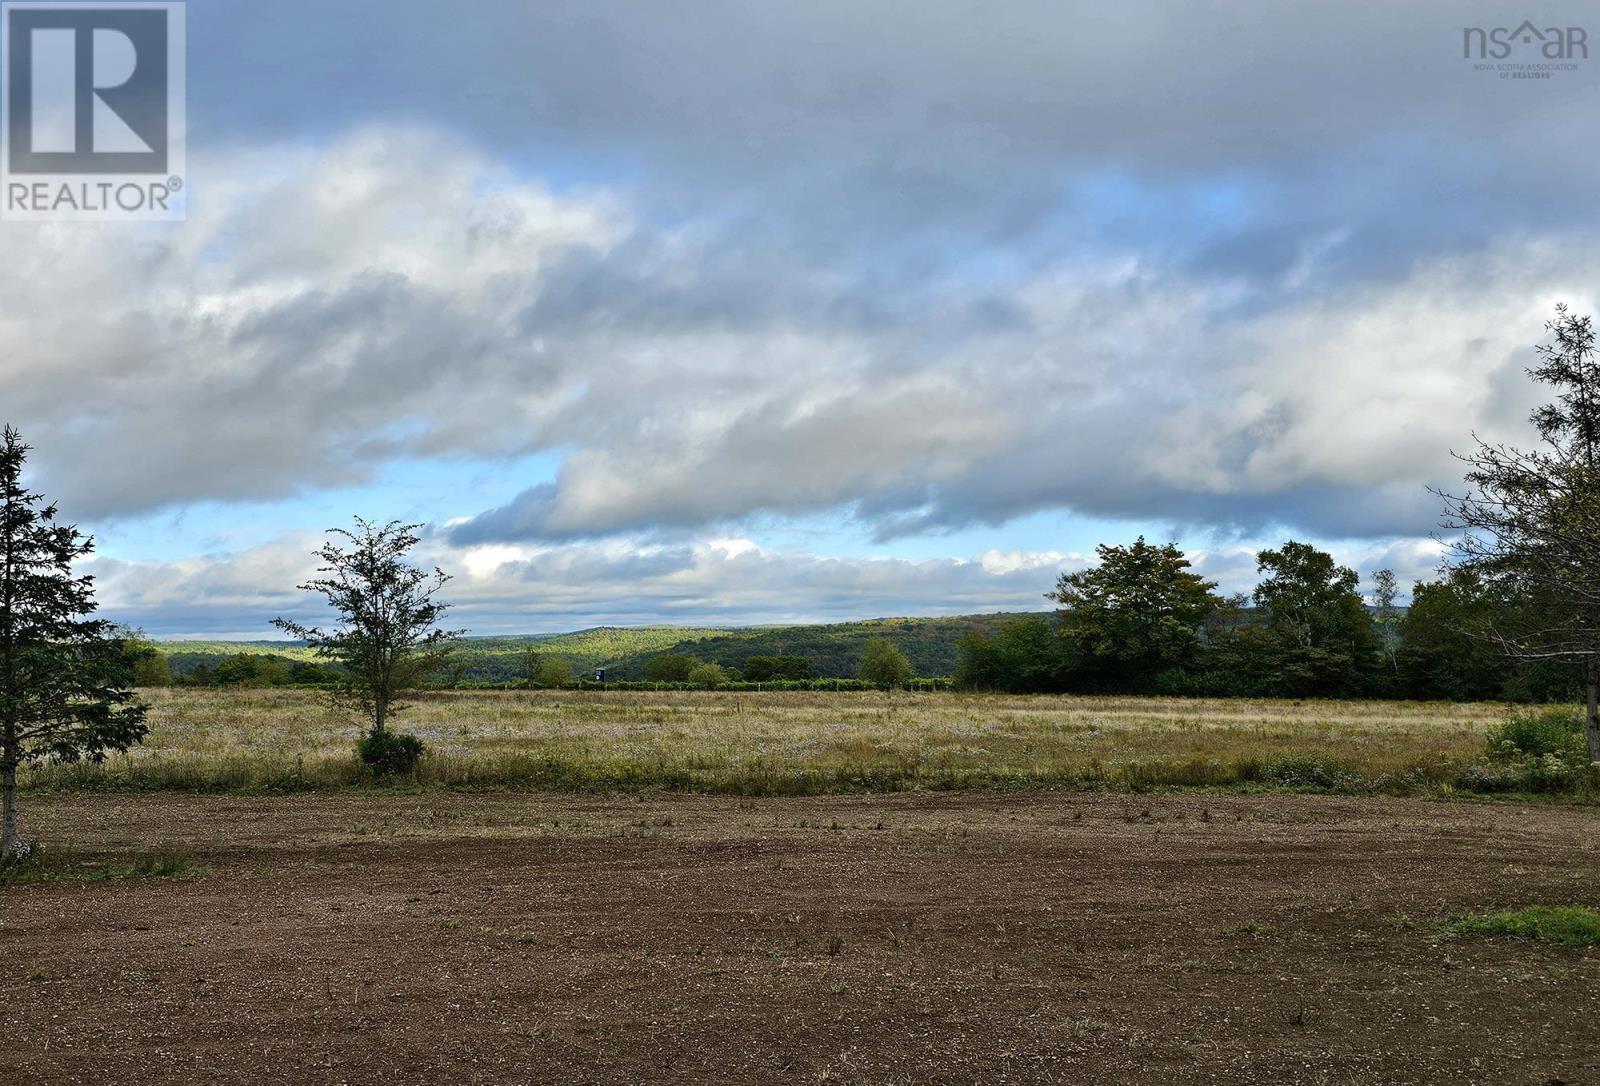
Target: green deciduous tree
[
  {"x": 762, "y": 669},
  {"x": 671, "y": 667},
  {"x": 1322, "y": 635},
  {"x": 707, "y": 676},
  {"x": 1443, "y": 651},
  {"x": 1137, "y": 613},
  {"x": 529, "y": 666},
  {"x": 884, "y": 665},
  {"x": 64, "y": 677},
  {"x": 252, "y": 669},
  {"x": 150, "y": 667},
  {"x": 980, "y": 665},
  {"x": 388, "y": 638},
  {"x": 1026, "y": 656},
  {"x": 554, "y": 671}
]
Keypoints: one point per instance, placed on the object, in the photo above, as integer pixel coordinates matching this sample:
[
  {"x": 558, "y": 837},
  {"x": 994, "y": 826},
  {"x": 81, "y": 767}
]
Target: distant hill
[
  {"x": 499, "y": 659},
  {"x": 834, "y": 649}
]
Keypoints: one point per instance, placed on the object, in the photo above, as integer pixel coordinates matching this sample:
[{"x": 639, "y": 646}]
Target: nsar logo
[{"x": 1497, "y": 43}]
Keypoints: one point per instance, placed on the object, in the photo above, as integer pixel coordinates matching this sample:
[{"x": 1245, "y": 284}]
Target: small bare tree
[
  {"x": 1530, "y": 520},
  {"x": 388, "y": 638}
]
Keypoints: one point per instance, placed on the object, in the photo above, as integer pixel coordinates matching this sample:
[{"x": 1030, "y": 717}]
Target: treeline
[
  {"x": 879, "y": 665},
  {"x": 150, "y": 666},
  {"x": 239, "y": 669},
  {"x": 680, "y": 667},
  {"x": 831, "y": 650},
  {"x": 1143, "y": 622}
]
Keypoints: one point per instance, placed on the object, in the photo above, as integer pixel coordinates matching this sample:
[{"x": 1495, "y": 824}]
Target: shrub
[
  {"x": 884, "y": 665},
  {"x": 1307, "y": 771},
  {"x": 1553, "y": 729},
  {"x": 387, "y": 753},
  {"x": 1487, "y": 779},
  {"x": 707, "y": 676},
  {"x": 672, "y": 667},
  {"x": 1551, "y": 772},
  {"x": 554, "y": 671}
]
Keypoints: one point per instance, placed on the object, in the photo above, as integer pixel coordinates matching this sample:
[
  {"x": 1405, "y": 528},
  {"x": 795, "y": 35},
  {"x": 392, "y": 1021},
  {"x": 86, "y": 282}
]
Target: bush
[
  {"x": 1487, "y": 779},
  {"x": 1554, "y": 729},
  {"x": 672, "y": 667},
  {"x": 388, "y": 753},
  {"x": 708, "y": 677},
  {"x": 553, "y": 671},
  {"x": 1307, "y": 771},
  {"x": 884, "y": 665},
  {"x": 1552, "y": 773}
]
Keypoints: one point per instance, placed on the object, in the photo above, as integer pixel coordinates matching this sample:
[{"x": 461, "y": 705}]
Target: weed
[
  {"x": 58, "y": 865},
  {"x": 1252, "y": 928},
  {"x": 1572, "y": 925},
  {"x": 1551, "y": 729},
  {"x": 1083, "y": 1027}
]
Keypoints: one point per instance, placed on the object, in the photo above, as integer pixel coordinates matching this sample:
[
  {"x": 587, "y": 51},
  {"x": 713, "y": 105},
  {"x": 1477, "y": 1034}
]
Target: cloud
[
  {"x": 868, "y": 122},
  {"x": 926, "y": 266},
  {"x": 622, "y": 581},
  {"x": 398, "y": 294},
  {"x": 321, "y": 313},
  {"x": 1135, "y": 391},
  {"x": 519, "y": 589}
]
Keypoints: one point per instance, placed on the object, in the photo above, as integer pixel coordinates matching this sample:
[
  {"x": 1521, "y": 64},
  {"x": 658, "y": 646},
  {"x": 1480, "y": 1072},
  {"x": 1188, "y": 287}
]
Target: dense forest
[{"x": 1142, "y": 621}]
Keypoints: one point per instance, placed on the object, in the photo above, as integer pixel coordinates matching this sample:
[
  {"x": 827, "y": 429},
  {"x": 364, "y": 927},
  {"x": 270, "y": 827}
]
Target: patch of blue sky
[{"x": 429, "y": 491}]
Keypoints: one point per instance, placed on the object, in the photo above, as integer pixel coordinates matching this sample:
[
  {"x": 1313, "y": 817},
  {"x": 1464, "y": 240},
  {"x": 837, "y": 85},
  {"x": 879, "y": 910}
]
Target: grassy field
[{"x": 800, "y": 743}]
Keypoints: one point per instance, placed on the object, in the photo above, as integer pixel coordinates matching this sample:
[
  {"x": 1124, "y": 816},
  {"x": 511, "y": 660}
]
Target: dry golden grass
[{"x": 793, "y": 743}]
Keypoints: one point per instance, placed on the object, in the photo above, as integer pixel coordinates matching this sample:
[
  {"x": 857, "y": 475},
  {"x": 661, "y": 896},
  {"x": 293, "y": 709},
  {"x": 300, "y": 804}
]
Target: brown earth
[{"x": 975, "y": 938}]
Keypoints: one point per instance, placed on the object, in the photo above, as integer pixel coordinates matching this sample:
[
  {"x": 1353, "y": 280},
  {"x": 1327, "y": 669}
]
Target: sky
[{"x": 737, "y": 313}]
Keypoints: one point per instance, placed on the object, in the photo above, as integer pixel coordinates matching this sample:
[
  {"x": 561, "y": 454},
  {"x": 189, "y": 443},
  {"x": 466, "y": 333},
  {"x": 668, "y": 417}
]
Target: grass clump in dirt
[
  {"x": 1571, "y": 925},
  {"x": 57, "y": 865},
  {"x": 1253, "y": 928}
]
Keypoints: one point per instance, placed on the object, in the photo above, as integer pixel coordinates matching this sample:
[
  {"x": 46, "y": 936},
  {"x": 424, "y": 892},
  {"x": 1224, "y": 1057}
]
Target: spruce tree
[
  {"x": 1529, "y": 521},
  {"x": 64, "y": 676}
]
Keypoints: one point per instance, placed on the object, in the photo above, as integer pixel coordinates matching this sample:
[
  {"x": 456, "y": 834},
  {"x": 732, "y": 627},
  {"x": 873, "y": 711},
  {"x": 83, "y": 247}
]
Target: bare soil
[{"x": 969, "y": 938}]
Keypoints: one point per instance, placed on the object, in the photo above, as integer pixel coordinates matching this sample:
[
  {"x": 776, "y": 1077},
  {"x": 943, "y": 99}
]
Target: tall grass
[{"x": 799, "y": 743}]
